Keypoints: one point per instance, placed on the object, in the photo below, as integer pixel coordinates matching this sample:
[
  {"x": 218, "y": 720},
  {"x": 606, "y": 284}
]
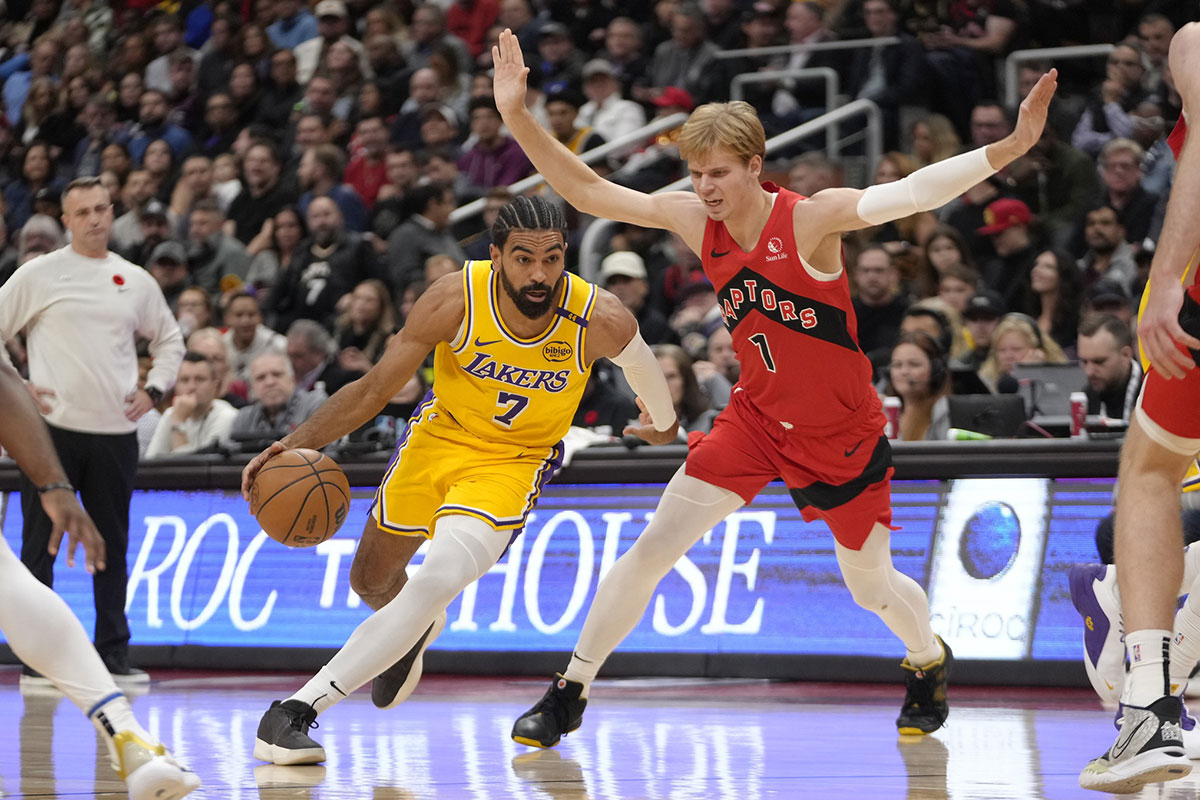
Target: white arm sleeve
[
  {"x": 926, "y": 189},
  {"x": 645, "y": 377}
]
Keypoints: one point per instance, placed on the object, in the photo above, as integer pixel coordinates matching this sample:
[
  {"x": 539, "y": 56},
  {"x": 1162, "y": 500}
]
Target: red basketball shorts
[
  {"x": 844, "y": 479},
  {"x": 1169, "y": 410}
]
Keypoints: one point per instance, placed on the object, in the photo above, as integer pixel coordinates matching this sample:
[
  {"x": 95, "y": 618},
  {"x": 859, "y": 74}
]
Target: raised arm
[
  {"x": 1179, "y": 243},
  {"x": 837, "y": 210},
  {"x": 435, "y": 317},
  {"x": 570, "y": 177}
]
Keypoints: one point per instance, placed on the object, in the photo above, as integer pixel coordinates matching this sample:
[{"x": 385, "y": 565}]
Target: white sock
[
  {"x": 112, "y": 716},
  {"x": 1149, "y": 652},
  {"x": 583, "y": 670},
  {"x": 463, "y": 548}
]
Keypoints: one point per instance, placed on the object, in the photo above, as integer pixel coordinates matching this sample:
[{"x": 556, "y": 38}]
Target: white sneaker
[
  {"x": 150, "y": 771},
  {"x": 1093, "y": 593}
]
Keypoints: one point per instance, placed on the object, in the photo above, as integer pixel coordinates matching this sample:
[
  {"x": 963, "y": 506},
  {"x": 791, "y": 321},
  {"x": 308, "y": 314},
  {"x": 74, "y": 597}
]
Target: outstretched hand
[
  {"x": 1034, "y": 107},
  {"x": 508, "y": 86}
]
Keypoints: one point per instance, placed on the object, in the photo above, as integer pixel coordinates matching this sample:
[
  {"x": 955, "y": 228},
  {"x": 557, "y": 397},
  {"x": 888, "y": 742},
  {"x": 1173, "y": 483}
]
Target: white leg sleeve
[
  {"x": 688, "y": 508},
  {"x": 897, "y": 599},
  {"x": 44, "y": 634},
  {"x": 463, "y": 548}
]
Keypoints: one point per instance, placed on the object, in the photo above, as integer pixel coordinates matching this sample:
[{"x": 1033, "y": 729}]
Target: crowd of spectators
[{"x": 287, "y": 173}]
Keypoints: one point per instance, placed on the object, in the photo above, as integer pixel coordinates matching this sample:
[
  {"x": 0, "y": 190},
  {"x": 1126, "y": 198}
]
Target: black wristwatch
[{"x": 156, "y": 394}]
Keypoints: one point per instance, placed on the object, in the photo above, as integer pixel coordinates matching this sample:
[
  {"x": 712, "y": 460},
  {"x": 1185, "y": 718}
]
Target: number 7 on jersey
[{"x": 515, "y": 403}]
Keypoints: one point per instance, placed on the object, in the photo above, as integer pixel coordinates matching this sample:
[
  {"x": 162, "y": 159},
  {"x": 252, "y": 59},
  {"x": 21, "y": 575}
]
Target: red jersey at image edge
[
  {"x": 795, "y": 336},
  {"x": 1175, "y": 140}
]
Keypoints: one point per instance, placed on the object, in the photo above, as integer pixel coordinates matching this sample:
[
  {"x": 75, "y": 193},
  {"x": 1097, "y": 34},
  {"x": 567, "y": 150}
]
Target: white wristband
[
  {"x": 645, "y": 377},
  {"x": 926, "y": 189}
]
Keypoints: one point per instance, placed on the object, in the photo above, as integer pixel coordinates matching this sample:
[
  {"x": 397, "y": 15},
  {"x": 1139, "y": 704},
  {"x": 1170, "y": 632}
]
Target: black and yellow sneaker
[
  {"x": 559, "y": 712},
  {"x": 925, "y": 708},
  {"x": 1149, "y": 749}
]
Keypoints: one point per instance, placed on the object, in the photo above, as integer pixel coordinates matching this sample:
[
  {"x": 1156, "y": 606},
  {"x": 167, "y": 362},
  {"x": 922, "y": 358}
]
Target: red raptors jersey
[{"x": 795, "y": 337}]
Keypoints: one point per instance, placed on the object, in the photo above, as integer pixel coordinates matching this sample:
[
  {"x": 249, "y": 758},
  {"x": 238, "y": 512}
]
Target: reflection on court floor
[{"x": 676, "y": 739}]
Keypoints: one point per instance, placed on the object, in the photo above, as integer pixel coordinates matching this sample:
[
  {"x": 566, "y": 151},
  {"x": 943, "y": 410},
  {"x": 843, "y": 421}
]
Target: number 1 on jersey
[
  {"x": 764, "y": 350},
  {"x": 516, "y": 404}
]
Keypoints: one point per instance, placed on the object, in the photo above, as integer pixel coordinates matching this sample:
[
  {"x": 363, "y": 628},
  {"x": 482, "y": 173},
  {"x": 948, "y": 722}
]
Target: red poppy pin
[{"x": 118, "y": 280}]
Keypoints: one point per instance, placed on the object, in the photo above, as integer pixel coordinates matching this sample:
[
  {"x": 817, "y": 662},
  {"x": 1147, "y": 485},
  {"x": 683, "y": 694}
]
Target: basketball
[{"x": 300, "y": 497}]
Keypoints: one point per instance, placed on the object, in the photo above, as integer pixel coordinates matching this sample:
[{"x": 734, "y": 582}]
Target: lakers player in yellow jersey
[{"x": 514, "y": 340}]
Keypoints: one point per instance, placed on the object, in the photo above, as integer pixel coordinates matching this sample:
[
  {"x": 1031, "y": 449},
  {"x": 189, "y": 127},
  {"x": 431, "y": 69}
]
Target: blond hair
[
  {"x": 1026, "y": 326},
  {"x": 734, "y": 126}
]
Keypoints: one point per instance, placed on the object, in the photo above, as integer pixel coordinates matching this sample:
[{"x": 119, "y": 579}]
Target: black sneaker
[
  {"x": 925, "y": 709},
  {"x": 1148, "y": 749},
  {"x": 397, "y": 682},
  {"x": 283, "y": 735},
  {"x": 122, "y": 673},
  {"x": 559, "y": 712}
]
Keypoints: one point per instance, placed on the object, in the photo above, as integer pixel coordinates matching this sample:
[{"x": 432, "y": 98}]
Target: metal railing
[
  {"x": 638, "y": 136},
  {"x": 1018, "y": 57},
  {"x": 814, "y": 47},
  {"x": 803, "y": 75},
  {"x": 589, "y": 261}
]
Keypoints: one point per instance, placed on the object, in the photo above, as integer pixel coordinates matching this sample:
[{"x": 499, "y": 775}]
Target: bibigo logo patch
[{"x": 557, "y": 351}]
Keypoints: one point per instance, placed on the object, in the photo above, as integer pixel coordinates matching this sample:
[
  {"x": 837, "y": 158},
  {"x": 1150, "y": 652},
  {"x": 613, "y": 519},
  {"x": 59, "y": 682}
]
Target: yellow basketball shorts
[{"x": 439, "y": 468}]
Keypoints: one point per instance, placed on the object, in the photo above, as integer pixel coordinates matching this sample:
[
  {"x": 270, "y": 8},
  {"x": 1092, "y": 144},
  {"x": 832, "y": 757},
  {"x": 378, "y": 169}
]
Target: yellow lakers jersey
[{"x": 503, "y": 388}]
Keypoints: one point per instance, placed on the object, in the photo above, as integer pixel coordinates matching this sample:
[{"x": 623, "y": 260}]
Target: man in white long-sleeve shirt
[{"x": 83, "y": 307}]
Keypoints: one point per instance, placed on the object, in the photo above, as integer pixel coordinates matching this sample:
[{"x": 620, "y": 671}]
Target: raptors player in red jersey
[
  {"x": 1163, "y": 441},
  {"x": 803, "y": 409}
]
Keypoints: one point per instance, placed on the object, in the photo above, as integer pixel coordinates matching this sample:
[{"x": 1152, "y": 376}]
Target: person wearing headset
[
  {"x": 919, "y": 376},
  {"x": 1016, "y": 340}
]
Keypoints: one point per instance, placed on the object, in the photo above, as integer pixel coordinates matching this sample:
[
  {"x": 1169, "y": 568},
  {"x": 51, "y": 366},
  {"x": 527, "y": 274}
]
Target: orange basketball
[{"x": 300, "y": 497}]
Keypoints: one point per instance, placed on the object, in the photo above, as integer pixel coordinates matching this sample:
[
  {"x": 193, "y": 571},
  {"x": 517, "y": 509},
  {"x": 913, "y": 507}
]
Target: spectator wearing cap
[
  {"x": 168, "y": 266},
  {"x": 1109, "y": 297},
  {"x": 624, "y": 52},
  {"x": 562, "y": 108},
  {"x": 1114, "y": 375},
  {"x": 1108, "y": 256},
  {"x": 217, "y": 261},
  {"x": 426, "y": 233},
  {"x": 495, "y": 159},
  {"x": 560, "y": 61},
  {"x": 440, "y": 128},
  {"x": 980, "y": 317},
  {"x": 197, "y": 418},
  {"x": 879, "y": 304},
  {"x": 470, "y": 20},
  {"x": 609, "y": 114},
  {"x": 1006, "y": 223},
  {"x": 320, "y": 175},
  {"x": 624, "y": 274},
  {"x": 658, "y": 162},
  {"x": 293, "y": 25},
  {"x": 333, "y": 25}
]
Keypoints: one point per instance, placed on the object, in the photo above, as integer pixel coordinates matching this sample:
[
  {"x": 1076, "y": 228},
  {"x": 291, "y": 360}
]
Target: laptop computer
[
  {"x": 1047, "y": 387},
  {"x": 997, "y": 415}
]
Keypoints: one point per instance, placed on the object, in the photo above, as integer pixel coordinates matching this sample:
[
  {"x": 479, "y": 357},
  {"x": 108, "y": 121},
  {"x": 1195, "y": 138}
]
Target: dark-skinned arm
[{"x": 435, "y": 317}]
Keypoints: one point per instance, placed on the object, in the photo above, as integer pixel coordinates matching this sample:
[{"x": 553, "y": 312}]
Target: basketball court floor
[{"x": 659, "y": 738}]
